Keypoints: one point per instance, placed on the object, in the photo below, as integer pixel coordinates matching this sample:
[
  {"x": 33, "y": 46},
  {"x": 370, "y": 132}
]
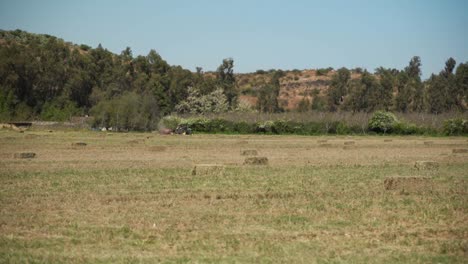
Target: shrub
[
  {"x": 244, "y": 127},
  {"x": 404, "y": 128},
  {"x": 456, "y": 126},
  {"x": 264, "y": 127},
  {"x": 170, "y": 122},
  {"x": 382, "y": 122}
]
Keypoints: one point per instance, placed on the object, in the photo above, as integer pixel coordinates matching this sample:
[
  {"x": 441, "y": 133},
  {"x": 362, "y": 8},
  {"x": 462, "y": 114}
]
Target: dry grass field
[{"x": 135, "y": 197}]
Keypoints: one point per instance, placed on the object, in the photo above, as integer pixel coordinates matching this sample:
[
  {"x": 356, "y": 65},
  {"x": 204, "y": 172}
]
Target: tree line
[
  {"x": 44, "y": 77},
  {"x": 400, "y": 90}
]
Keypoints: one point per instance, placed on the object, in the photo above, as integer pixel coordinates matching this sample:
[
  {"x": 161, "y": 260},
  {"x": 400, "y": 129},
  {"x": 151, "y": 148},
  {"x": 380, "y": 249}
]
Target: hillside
[{"x": 295, "y": 85}]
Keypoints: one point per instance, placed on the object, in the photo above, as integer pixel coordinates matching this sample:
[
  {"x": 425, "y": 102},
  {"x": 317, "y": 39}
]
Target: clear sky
[{"x": 267, "y": 34}]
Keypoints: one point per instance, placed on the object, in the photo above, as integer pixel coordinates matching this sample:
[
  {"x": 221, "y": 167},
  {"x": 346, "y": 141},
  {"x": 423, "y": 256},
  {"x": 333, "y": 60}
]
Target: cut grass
[{"x": 118, "y": 202}]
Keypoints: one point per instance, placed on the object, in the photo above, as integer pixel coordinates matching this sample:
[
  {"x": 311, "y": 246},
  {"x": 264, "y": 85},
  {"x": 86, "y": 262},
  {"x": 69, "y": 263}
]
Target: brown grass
[{"x": 115, "y": 203}]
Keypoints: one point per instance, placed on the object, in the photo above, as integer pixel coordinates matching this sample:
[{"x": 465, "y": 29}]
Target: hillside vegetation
[{"x": 44, "y": 77}]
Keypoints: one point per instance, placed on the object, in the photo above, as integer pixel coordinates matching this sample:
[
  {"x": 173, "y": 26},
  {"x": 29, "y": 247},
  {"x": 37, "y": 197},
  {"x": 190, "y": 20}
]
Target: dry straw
[
  {"x": 208, "y": 169},
  {"x": 79, "y": 144},
  {"x": 25, "y": 155},
  {"x": 249, "y": 152},
  {"x": 256, "y": 161},
  {"x": 426, "y": 165},
  {"x": 408, "y": 184},
  {"x": 158, "y": 148}
]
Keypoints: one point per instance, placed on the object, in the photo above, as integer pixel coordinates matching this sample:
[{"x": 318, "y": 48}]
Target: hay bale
[
  {"x": 455, "y": 151},
  {"x": 31, "y": 136},
  {"x": 25, "y": 155},
  {"x": 158, "y": 148},
  {"x": 135, "y": 141},
  {"x": 408, "y": 184},
  {"x": 327, "y": 145},
  {"x": 322, "y": 141},
  {"x": 243, "y": 142},
  {"x": 249, "y": 152},
  {"x": 256, "y": 161},
  {"x": 387, "y": 140},
  {"x": 348, "y": 143},
  {"x": 349, "y": 147},
  {"x": 428, "y": 143},
  {"x": 426, "y": 165},
  {"x": 79, "y": 144},
  {"x": 208, "y": 169}
]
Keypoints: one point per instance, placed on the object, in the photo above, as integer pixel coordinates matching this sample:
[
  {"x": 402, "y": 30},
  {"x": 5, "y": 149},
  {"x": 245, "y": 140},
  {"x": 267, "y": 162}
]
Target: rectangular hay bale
[
  {"x": 25, "y": 155},
  {"x": 208, "y": 169},
  {"x": 249, "y": 152},
  {"x": 158, "y": 148},
  {"x": 79, "y": 144},
  {"x": 458, "y": 151},
  {"x": 426, "y": 165},
  {"x": 256, "y": 161},
  {"x": 408, "y": 184}
]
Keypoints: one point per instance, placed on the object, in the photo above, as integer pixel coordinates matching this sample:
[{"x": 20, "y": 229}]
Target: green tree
[
  {"x": 227, "y": 81},
  {"x": 338, "y": 88},
  {"x": 268, "y": 95},
  {"x": 461, "y": 79},
  {"x": 303, "y": 105}
]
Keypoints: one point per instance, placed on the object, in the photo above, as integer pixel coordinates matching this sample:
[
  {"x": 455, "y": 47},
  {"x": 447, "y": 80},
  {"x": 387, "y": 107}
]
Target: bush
[
  {"x": 382, "y": 122},
  {"x": 456, "y": 126},
  {"x": 243, "y": 127},
  {"x": 404, "y": 128},
  {"x": 171, "y": 122}
]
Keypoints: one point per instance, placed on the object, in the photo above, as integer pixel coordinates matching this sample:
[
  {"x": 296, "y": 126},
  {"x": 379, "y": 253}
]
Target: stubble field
[{"x": 134, "y": 197}]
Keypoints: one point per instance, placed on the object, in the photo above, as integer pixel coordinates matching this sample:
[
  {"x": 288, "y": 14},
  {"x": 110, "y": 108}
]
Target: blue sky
[{"x": 299, "y": 34}]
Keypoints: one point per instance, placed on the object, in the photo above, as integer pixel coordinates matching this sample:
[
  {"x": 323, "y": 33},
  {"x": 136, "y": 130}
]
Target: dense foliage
[{"x": 44, "y": 77}]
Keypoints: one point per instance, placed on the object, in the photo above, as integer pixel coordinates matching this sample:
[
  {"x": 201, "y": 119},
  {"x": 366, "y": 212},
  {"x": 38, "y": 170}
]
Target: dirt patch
[
  {"x": 256, "y": 161},
  {"x": 25, "y": 155},
  {"x": 408, "y": 184},
  {"x": 426, "y": 165},
  {"x": 208, "y": 169},
  {"x": 458, "y": 151},
  {"x": 249, "y": 152}
]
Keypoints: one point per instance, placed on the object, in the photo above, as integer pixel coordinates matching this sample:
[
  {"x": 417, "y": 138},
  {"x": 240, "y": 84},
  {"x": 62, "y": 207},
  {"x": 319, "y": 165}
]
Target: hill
[{"x": 47, "y": 78}]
